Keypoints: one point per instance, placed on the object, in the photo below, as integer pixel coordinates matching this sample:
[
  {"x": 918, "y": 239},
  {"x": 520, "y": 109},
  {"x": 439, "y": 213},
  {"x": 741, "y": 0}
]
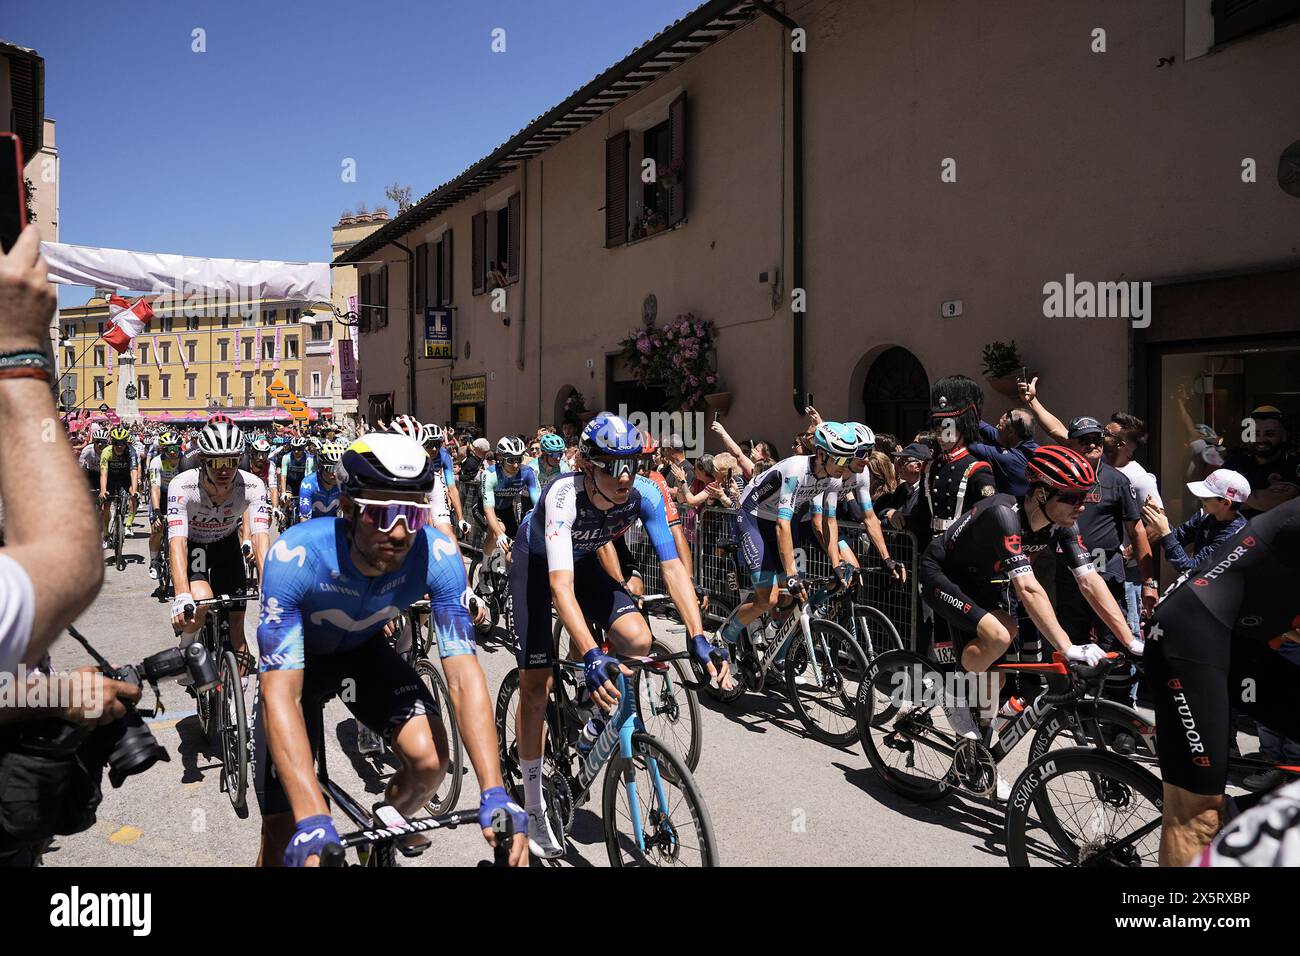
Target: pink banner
[
  {"x": 157, "y": 353},
  {"x": 237, "y": 350},
  {"x": 109, "y": 358},
  {"x": 279, "y": 344},
  {"x": 184, "y": 360},
  {"x": 257, "y": 348}
]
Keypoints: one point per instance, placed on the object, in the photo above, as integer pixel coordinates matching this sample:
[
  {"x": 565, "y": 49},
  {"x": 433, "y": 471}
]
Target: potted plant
[
  {"x": 1003, "y": 367},
  {"x": 678, "y": 356},
  {"x": 575, "y": 409}
]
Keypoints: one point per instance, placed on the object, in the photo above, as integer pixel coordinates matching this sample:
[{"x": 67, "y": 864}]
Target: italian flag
[{"x": 128, "y": 320}]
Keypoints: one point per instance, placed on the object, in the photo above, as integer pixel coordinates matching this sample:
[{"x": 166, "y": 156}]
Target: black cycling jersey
[{"x": 994, "y": 539}]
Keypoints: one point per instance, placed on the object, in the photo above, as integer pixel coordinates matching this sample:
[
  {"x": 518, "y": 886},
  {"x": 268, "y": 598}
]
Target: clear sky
[{"x": 237, "y": 151}]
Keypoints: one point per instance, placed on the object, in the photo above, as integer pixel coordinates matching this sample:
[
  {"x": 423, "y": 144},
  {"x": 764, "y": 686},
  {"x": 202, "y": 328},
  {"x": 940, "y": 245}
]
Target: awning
[{"x": 236, "y": 280}]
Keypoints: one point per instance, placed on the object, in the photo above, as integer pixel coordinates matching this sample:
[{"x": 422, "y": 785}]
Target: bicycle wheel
[
  {"x": 876, "y": 633},
  {"x": 1123, "y": 728},
  {"x": 669, "y": 707},
  {"x": 119, "y": 536},
  {"x": 233, "y": 730},
  {"x": 912, "y": 752},
  {"x": 444, "y": 801},
  {"x": 827, "y": 706},
  {"x": 1103, "y": 810},
  {"x": 674, "y": 822}
]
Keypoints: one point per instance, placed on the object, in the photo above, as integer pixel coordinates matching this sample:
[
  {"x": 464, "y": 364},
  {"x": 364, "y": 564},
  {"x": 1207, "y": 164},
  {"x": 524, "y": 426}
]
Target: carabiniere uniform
[{"x": 952, "y": 485}]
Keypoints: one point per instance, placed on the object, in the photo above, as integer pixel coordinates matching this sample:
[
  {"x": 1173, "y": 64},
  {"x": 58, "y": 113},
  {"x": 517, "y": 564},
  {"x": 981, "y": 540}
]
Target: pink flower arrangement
[{"x": 678, "y": 356}]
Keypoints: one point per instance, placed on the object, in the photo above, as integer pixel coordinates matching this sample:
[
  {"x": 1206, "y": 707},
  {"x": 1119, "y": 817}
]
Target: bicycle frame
[{"x": 785, "y": 635}]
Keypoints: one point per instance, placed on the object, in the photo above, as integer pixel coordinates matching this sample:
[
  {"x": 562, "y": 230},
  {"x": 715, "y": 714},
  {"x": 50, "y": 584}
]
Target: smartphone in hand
[{"x": 13, "y": 198}]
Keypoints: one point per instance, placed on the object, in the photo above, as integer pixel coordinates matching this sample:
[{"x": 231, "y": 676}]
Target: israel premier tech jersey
[
  {"x": 315, "y": 500},
  {"x": 314, "y": 600},
  {"x": 566, "y": 525}
]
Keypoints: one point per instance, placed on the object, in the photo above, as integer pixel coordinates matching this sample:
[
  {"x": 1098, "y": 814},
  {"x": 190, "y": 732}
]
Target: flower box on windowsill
[{"x": 651, "y": 235}]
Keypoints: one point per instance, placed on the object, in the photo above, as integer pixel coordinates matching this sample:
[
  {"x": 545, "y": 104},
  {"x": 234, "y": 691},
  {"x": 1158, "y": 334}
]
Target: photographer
[{"x": 49, "y": 573}]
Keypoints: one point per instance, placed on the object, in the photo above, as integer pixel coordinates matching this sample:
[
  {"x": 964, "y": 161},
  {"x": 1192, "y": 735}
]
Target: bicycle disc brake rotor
[
  {"x": 975, "y": 767},
  {"x": 661, "y": 837}
]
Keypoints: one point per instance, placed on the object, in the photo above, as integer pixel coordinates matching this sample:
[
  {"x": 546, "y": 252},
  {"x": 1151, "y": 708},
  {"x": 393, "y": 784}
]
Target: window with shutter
[
  {"x": 382, "y": 318},
  {"x": 447, "y": 273},
  {"x": 363, "y": 317},
  {"x": 616, "y": 189},
  {"x": 512, "y": 247},
  {"x": 677, "y": 160},
  {"x": 1238, "y": 18},
  {"x": 478, "y": 251},
  {"x": 422, "y": 276}
]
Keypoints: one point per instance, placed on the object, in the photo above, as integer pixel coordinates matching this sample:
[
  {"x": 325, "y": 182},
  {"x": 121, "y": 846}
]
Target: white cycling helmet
[
  {"x": 408, "y": 426},
  {"x": 865, "y": 436},
  {"x": 432, "y": 434},
  {"x": 221, "y": 439},
  {"x": 99, "y": 434},
  {"x": 510, "y": 447}
]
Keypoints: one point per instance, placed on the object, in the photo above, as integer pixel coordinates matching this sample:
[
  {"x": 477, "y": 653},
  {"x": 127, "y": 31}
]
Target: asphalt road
[{"x": 776, "y": 797}]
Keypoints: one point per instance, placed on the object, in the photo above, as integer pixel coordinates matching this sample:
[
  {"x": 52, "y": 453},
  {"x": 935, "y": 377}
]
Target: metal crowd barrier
[{"x": 712, "y": 564}]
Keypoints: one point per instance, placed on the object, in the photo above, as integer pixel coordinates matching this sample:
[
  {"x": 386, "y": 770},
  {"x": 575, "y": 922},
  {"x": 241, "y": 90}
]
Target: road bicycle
[
  {"x": 667, "y": 699},
  {"x": 1096, "y": 806},
  {"x": 118, "y": 508},
  {"x": 489, "y": 579},
  {"x": 651, "y": 807},
  {"x": 223, "y": 715},
  {"x": 873, "y": 631},
  {"x": 822, "y": 664},
  {"x": 288, "y": 516}
]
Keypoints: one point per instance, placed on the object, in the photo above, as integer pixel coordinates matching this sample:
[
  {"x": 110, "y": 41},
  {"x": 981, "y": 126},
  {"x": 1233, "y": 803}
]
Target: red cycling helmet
[{"x": 1060, "y": 468}]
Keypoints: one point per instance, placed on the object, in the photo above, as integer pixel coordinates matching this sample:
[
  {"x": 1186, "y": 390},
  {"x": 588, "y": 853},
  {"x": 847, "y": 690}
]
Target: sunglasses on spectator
[
  {"x": 384, "y": 515},
  {"x": 1089, "y": 440}
]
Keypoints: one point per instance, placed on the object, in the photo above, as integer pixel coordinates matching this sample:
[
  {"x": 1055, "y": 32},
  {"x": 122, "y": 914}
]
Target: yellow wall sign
[
  {"x": 288, "y": 400},
  {"x": 469, "y": 391}
]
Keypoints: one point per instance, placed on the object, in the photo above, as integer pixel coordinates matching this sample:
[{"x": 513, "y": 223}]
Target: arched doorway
[
  {"x": 896, "y": 394},
  {"x": 562, "y": 396}
]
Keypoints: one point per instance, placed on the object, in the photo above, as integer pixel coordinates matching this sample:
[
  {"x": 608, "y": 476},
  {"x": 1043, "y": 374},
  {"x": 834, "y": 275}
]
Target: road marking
[{"x": 125, "y": 835}]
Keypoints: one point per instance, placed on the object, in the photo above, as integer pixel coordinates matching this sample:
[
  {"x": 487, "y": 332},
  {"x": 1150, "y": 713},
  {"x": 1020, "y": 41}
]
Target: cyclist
[
  {"x": 555, "y": 565},
  {"x": 550, "y": 458},
  {"x": 319, "y": 492},
  {"x": 971, "y": 572},
  {"x": 446, "y": 493},
  {"x": 118, "y": 469},
  {"x": 765, "y": 520},
  {"x": 330, "y": 587},
  {"x": 503, "y": 491},
  {"x": 89, "y": 458},
  {"x": 855, "y": 489},
  {"x": 1208, "y": 650},
  {"x": 205, "y": 510},
  {"x": 163, "y": 467},
  {"x": 617, "y": 558},
  {"x": 295, "y": 465},
  {"x": 261, "y": 464}
]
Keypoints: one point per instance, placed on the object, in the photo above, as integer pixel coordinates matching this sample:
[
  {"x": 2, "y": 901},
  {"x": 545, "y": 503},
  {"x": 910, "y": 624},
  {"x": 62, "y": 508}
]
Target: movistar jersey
[
  {"x": 314, "y": 600},
  {"x": 786, "y": 488},
  {"x": 565, "y": 524},
  {"x": 315, "y": 500}
]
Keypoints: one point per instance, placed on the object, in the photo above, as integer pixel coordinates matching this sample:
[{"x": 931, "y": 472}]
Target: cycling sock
[
  {"x": 534, "y": 797},
  {"x": 731, "y": 630}
]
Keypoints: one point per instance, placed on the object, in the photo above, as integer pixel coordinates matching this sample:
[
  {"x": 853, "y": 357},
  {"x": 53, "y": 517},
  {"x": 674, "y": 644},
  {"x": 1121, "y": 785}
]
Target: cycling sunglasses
[
  {"x": 513, "y": 460},
  {"x": 384, "y": 515},
  {"x": 220, "y": 464},
  {"x": 617, "y": 467},
  {"x": 1071, "y": 500}
]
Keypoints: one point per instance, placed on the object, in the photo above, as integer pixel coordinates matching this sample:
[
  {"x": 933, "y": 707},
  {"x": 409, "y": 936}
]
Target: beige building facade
[{"x": 955, "y": 160}]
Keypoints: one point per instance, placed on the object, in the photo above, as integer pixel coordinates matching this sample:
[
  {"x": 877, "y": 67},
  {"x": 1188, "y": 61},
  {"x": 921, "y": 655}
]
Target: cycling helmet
[
  {"x": 386, "y": 462},
  {"x": 865, "y": 436},
  {"x": 260, "y": 446},
  {"x": 99, "y": 434},
  {"x": 408, "y": 426},
  {"x": 169, "y": 440},
  {"x": 297, "y": 443},
  {"x": 220, "y": 439},
  {"x": 837, "y": 439},
  {"x": 552, "y": 444},
  {"x": 1060, "y": 468},
  {"x": 277, "y": 440},
  {"x": 220, "y": 417},
  {"x": 432, "y": 434},
  {"x": 332, "y": 451},
  {"x": 119, "y": 434},
  {"x": 609, "y": 437},
  {"x": 509, "y": 447}
]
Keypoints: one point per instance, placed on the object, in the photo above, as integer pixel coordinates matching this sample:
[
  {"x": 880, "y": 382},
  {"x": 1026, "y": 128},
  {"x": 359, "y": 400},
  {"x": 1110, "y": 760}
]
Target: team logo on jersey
[
  {"x": 1201, "y": 761},
  {"x": 1012, "y": 543},
  {"x": 1201, "y": 582},
  {"x": 1249, "y": 541},
  {"x": 1174, "y": 684},
  {"x": 282, "y": 552}
]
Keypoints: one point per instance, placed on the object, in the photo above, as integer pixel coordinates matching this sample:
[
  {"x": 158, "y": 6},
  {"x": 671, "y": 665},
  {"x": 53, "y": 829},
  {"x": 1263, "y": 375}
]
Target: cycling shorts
[
  {"x": 758, "y": 548},
  {"x": 220, "y": 563},
  {"x": 961, "y": 606},
  {"x": 388, "y": 693},
  {"x": 121, "y": 481},
  {"x": 509, "y": 520},
  {"x": 1197, "y": 670},
  {"x": 93, "y": 478},
  {"x": 601, "y": 598}
]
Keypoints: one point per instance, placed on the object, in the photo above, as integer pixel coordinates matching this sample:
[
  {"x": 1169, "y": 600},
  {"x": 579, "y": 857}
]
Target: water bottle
[
  {"x": 1009, "y": 711},
  {"x": 590, "y": 731}
]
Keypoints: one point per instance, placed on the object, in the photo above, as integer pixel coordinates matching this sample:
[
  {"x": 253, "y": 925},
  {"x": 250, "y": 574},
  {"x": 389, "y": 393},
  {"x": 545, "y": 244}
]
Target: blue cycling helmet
[
  {"x": 613, "y": 443},
  {"x": 837, "y": 439},
  {"x": 552, "y": 444}
]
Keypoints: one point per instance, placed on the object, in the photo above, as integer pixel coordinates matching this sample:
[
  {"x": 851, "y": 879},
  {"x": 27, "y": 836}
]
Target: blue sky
[{"x": 237, "y": 151}]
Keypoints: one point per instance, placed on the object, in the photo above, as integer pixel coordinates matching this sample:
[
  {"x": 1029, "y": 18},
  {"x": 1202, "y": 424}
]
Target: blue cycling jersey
[
  {"x": 500, "y": 489},
  {"x": 565, "y": 524},
  {"x": 448, "y": 467},
  {"x": 295, "y": 468},
  {"x": 315, "y": 500},
  {"x": 315, "y": 600}
]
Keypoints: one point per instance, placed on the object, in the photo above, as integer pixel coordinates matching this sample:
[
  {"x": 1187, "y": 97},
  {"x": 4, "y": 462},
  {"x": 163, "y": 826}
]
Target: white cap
[
  {"x": 1222, "y": 483},
  {"x": 481, "y": 445}
]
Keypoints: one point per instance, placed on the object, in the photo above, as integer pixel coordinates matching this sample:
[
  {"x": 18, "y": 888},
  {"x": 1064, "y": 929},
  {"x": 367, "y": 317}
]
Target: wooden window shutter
[
  {"x": 677, "y": 158},
  {"x": 363, "y": 308},
  {"x": 382, "y": 318},
  {"x": 422, "y": 276},
  {"x": 512, "y": 242},
  {"x": 616, "y": 148},
  {"x": 447, "y": 254},
  {"x": 478, "y": 252}
]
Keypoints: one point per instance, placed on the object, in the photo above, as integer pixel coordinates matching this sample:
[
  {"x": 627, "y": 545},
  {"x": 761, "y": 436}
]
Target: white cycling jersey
[
  {"x": 438, "y": 498},
  {"x": 853, "y": 487},
  {"x": 192, "y": 514},
  {"x": 784, "y": 488}
]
